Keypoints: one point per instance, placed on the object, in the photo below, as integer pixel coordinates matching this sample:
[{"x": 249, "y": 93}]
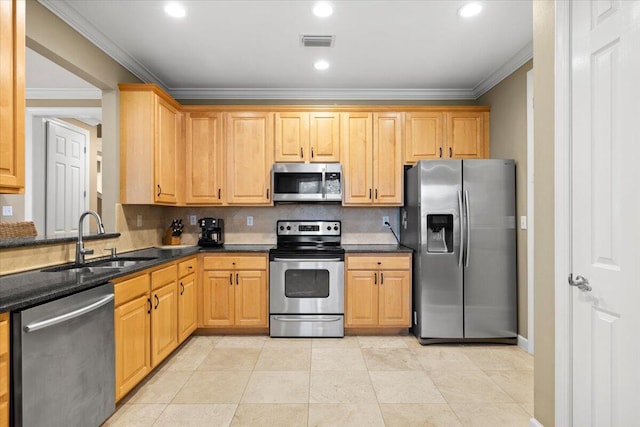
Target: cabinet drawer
[
  {"x": 164, "y": 276},
  {"x": 130, "y": 289},
  {"x": 4, "y": 333},
  {"x": 383, "y": 262},
  {"x": 187, "y": 267},
  {"x": 235, "y": 263}
]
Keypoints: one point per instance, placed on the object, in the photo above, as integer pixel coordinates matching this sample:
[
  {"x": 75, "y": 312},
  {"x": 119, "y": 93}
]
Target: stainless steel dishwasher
[{"x": 63, "y": 361}]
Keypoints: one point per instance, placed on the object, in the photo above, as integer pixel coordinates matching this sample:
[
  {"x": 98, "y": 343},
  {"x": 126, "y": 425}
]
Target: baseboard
[
  {"x": 534, "y": 423},
  {"x": 523, "y": 343}
]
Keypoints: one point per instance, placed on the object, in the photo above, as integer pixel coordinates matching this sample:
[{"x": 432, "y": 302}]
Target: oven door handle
[
  {"x": 306, "y": 319},
  {"x": 307, "y": 259}
]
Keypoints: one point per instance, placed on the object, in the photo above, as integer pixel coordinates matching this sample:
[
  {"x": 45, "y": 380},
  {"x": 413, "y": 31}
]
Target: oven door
[{"x": 306, "y": 286}]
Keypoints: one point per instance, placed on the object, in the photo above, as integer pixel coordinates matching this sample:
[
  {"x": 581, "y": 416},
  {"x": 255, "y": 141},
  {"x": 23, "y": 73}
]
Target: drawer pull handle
[{"x": 382, "y": 278}]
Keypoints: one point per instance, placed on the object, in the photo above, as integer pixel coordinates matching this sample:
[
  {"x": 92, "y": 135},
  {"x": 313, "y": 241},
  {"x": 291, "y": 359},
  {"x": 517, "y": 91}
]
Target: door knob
[{"x": 580, "y": 282}]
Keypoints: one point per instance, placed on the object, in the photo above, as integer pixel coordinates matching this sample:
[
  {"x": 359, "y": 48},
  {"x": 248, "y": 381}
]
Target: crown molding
[
  {"x": 323, "y": 94},
  {"x": 65, "y": 11},
  {"x": 61, "y": 93},
  {"x": 504, "y": 71}
]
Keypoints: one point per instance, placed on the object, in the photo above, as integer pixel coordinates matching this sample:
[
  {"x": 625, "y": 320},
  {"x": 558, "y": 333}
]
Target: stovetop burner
[{"x": 308, "y": 238}]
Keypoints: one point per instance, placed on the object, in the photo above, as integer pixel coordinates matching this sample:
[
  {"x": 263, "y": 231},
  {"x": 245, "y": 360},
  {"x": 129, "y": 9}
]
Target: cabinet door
[
  {"x": 12, "y": 99},
  {"x": 387, "y": 158},
  {"x": 186, "y": 307},
  {"x": 423, "y": 136},
  {"x": 251, "y": 298},
  {"x": 4, "y": 369},
  {"x": 394, "y": 298},
  {"x": 164, "y": 322},
  {"x": 324, "y": 137},
  {"x": 204, "y": 159},
  {"x": 218, "y": 298},
  {"x": 166, "y": 140},
  {"x": 361, "y": 298},
  {"x": 466, "y": 132},
  {"x": 249, "y": 143},
  {"x": 292, "y": 137},
  {"x": 357, "y": 158},
  {"x": 132, "y": 343}
]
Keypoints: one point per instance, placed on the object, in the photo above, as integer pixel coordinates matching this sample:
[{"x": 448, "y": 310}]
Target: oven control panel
[{"x": 308, "y": 228}]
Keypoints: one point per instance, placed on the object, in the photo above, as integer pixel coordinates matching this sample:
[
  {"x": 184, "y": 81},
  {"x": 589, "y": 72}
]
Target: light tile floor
[{"x": 353, "y": 381}]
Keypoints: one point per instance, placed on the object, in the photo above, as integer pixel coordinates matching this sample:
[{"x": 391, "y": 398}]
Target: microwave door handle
[{"x": 324, "y": 185}]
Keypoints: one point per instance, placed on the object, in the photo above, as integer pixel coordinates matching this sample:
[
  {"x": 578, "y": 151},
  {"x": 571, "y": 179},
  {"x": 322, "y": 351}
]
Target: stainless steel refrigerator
[{"x": 459, "y": 217}]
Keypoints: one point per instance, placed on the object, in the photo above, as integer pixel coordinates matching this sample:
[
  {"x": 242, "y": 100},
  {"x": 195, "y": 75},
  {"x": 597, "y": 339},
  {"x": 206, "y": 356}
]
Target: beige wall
[
  {"x": 508, "y": 102},
  {"x": 52, "y": 38},
  {"x": 544, "y": 316}
]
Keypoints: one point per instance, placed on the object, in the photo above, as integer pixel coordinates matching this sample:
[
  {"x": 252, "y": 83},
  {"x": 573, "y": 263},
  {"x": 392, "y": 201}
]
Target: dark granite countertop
[
  {"x": 377, "y": 248},
  {"x": 20, "y": 242},
  {"x": 238, "y": 248},
  {"x": 21, "y": 290}
]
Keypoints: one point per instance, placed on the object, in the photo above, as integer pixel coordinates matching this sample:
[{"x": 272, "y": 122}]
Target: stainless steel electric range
[{"x": 306, "y": 280}]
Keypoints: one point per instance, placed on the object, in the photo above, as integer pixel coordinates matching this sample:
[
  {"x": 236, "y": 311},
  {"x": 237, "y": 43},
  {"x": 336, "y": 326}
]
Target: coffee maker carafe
[{"x": 212, "y": 233}]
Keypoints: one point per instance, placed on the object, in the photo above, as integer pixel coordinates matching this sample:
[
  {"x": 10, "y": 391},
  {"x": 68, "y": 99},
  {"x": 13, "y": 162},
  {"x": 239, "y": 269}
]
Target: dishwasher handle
[{"x": 68, "y": 316}]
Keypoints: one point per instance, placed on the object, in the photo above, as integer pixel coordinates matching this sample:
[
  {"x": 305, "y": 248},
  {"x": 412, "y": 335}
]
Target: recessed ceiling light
[
  {"x": 321, "y": 65},
  {"x": 322, "y": 10},
  {"x": 470, "y": 9},
  {"x": 175, "y": 10}
]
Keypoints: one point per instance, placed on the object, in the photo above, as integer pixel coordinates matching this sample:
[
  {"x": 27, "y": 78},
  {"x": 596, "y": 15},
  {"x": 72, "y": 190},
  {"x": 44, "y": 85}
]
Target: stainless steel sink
[
  {"x": 120, "y": 261},
  {"x": 81, "y": 269},
  {"x": 100, "y": 266}
]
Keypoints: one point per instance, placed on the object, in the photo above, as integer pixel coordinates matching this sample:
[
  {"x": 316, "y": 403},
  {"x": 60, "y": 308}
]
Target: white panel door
[
  {"x": 606, "y": 212},
  {"x": 66, "y": 196}
]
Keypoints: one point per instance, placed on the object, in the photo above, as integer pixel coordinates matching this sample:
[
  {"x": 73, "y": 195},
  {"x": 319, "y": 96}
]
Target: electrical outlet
[
  {"x": 192, "y": 220},
  {"x": 139, "y": 221},
  {"x": 385, "y": 219},
  {"x": 249, "y": 221},
  {"x": 523, "y": 222},
  {"x": 7, "y": 211}
]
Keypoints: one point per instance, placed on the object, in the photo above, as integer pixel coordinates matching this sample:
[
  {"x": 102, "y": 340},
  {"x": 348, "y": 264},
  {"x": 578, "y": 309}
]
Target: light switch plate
[
  {"x": 249, "y": 221},
  {"x": 523, "y": 222},
  {"x": 139, "y": 221},
  {"x": 192, "y": 220},
  {"x": 7, "y": 211}
]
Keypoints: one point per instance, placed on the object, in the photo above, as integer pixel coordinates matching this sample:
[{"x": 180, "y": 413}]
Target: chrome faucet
[{"x": 80, "y": 250}]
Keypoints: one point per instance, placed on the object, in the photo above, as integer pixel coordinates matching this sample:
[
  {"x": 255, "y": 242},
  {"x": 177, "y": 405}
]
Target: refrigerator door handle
[
  {"x": 461, "y": 228},
  {"x": 468, "y": 226}
]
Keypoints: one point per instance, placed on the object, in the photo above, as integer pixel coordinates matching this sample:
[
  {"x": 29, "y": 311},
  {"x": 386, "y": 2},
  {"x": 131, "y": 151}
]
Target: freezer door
[
  {"x": 490, "y": 283},
  {"x": 438, "y": 274}
]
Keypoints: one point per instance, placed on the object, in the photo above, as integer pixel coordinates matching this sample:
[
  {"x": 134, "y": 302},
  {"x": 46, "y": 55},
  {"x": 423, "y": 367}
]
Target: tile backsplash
[{"x": 359, "y": 225}]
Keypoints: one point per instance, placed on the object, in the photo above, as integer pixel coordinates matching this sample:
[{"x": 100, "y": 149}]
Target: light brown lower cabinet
[
  {"x": 4, "y": 369},
  {"x": 154, "y": 311},
  {"x": 378, "y": 290},
  {"x": 235, "y": 291},
  {"x": 187, "y": 310}
]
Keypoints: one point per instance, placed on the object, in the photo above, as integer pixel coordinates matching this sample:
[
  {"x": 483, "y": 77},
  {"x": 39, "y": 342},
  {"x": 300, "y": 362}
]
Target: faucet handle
[{"x": 112, "y": 252}]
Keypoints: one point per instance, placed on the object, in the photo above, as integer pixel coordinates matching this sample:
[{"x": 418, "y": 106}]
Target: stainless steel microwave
[{"x": 306, "y": 182}]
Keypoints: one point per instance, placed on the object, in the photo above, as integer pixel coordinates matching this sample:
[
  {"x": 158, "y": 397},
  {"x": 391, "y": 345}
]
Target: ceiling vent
[{"x": 317, "y": 41}]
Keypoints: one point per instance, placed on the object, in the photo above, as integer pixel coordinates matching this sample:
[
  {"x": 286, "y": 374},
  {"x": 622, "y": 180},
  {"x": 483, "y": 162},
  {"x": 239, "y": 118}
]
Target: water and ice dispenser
[{"x": 440, "y": 233}]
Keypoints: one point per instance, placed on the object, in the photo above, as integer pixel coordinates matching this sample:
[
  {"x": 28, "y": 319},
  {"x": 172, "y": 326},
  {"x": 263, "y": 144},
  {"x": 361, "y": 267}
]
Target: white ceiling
[{"x": 251, "y": 49}]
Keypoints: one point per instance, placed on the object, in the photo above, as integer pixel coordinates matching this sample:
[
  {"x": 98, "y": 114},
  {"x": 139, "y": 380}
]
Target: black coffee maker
[{"x": 212, "y": 233}]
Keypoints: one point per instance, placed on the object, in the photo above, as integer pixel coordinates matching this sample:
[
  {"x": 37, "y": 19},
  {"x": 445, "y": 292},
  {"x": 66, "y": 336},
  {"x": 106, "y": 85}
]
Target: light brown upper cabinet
[
  {"x": 204, "y": 158},
  {"x": 424, "y": 132},
  {"x": 467, "y": 135},
  {"x": 249, "y": 145},
  {"x": 151, "y": 146},
  {"x": 448, "y": 134},
  {"x": 303, "y": 137},
  {"x": 12, "y": 95},
  {"x": 372, "y": 158}
]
